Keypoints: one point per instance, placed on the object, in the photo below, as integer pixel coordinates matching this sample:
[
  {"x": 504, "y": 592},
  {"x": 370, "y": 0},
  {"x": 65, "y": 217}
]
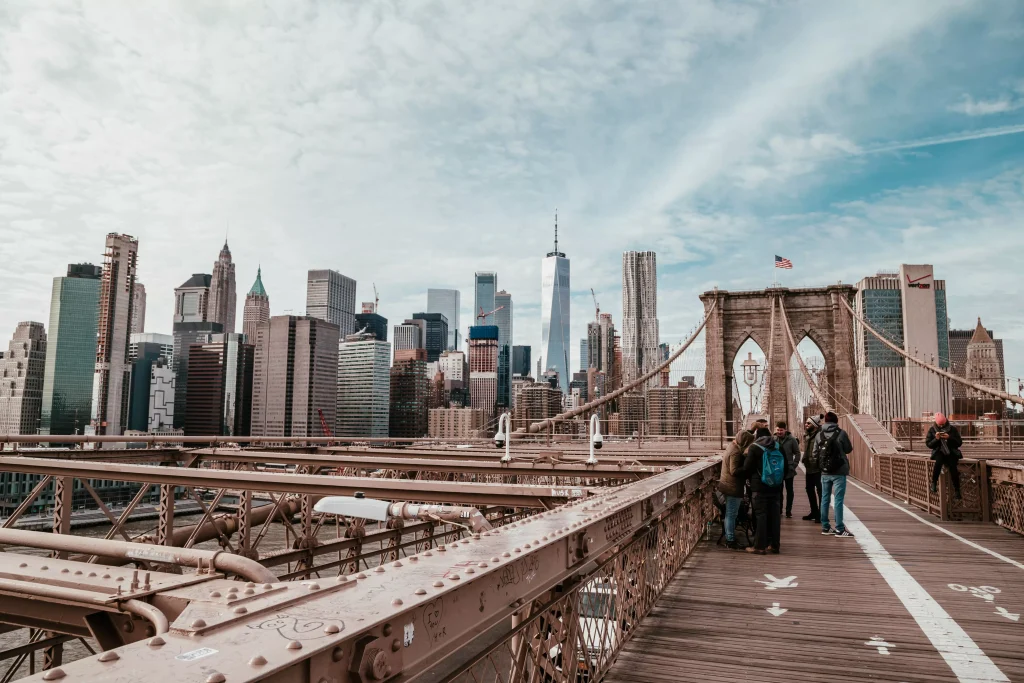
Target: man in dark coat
[
  {"x": 767, "y": 499},
  {"x": 790, "y": 448},
  {"x": 812, "y": 479},
  {"x": 731, "y": 483},
  {"x": 945, "y": 441},
  {"x": 833, "y": 439}
]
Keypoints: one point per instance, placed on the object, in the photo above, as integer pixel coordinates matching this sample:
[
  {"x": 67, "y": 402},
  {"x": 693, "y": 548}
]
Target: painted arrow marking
[
  {"x": 777, "y": 611},
  {"x": 1003, "y": 612},
  {"x": 773, "y": 583},
  {"x": 877, "y": 642}
]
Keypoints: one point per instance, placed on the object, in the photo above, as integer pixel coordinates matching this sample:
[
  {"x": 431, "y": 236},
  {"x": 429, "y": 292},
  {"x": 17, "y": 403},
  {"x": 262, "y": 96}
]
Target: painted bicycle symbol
[{"x": 986, "y": 593}]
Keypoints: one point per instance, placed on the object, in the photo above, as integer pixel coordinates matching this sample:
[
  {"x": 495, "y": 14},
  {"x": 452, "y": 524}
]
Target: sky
[{"x": 411, "y": 144}]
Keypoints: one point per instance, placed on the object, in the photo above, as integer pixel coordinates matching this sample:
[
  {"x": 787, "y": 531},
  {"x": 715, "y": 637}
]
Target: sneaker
[
  {"x": 843, "y": 534},
  {"x": 754, "y": 550},
  {"x": 733, "y": 545},
  {"x": 773, "y": 550},
  {"x": 788, "y": 515},
  {"x": 812, "y": 518},
  {"x": 827, "y": 531}
]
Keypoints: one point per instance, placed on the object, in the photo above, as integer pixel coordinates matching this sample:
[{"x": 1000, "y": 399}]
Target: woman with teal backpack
[{"x": 765, "y": 466}]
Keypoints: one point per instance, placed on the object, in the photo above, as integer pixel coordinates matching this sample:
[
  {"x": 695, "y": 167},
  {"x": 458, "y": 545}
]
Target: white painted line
[
  {"x": 968, "y": 662},
  {"x": 921, "y": 519}
]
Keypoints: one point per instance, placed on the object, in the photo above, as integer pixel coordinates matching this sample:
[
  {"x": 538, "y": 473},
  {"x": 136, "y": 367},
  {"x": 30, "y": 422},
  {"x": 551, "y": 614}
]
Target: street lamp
[{"x": 751, "y": 368}]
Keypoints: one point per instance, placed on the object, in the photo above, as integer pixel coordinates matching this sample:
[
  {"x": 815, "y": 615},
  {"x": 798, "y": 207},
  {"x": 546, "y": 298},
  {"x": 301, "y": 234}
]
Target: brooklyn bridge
[{"x": 331, "y": 561}]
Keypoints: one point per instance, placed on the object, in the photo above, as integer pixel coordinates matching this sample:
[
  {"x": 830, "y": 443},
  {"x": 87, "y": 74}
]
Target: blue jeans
[
  {"x": 832, "y": 484},
  {"x": 732, "y": 508}
]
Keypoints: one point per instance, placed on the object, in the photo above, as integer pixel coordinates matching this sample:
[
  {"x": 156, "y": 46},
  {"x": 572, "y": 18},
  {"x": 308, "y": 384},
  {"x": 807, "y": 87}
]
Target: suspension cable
[
  {"x": 803, "y": 368},
  {"x": 928, "y": 366},
  {"x": 541, "y": 425}
]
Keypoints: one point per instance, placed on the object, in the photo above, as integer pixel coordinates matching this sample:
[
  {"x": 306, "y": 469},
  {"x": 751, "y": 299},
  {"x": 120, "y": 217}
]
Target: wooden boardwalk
[{"x": 945, "y": 609}]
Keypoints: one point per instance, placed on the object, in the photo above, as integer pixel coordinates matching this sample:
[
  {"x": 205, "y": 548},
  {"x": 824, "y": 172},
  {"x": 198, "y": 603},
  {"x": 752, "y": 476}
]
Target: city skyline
[{"x": 784, "y": 156}]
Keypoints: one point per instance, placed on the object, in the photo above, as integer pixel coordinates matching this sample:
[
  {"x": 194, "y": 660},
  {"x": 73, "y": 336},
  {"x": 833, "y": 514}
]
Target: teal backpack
[{"x": 773, "y": 465}]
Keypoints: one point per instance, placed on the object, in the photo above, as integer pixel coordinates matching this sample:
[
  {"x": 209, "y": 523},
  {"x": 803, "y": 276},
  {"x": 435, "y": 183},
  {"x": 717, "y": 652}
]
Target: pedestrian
[
  {"x": 766, "y": 467},
  {"x": 945, "y": 441},
  {"x": 759, "y": 423},
  {"x": 812, "y": 478},
  {"x": 831, "y": 448},
  {"x": 790, "y": 448},
  {"x": 731, "y": 483}
]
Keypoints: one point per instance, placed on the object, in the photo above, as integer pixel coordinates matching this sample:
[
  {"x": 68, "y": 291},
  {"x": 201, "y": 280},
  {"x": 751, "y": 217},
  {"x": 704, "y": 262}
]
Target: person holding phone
[{"x": 945, "y": 441}]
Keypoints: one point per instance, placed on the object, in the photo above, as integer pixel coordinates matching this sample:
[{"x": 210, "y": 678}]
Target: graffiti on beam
[
  {"x": 524, "y": 570},
  {"x": 295, "y": 628},
  {"x": 432, "y": 619}
]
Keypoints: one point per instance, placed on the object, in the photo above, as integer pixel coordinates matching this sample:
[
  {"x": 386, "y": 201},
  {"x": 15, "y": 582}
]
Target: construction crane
[
  {"x": 483, "y": 316},
  {"x": 323, "y": 426},
  {"x": 597, "y": 306},
  {"x": 376, "y": 299}
]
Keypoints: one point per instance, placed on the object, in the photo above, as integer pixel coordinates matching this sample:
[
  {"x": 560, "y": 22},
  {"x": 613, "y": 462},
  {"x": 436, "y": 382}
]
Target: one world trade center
[{"x": 554, "y": 312}]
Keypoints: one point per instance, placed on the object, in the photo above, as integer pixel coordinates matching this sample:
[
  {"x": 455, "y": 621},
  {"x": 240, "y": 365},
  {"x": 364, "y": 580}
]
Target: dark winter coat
[
  {"x": 790, "y": 448},
  {"x": 753, "y": 462},
  {"x": 812, "y": 465},
  {"x": 731, "y": 481},
  {"x": 842, "y": 442},
  {"x": 953, "y": 443}
]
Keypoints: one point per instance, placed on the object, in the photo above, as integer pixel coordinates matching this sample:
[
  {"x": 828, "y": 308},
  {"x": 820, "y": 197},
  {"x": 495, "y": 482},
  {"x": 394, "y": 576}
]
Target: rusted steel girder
[
  {"x": 513, "y": 495},
  {"x": 408, "y": 617}
]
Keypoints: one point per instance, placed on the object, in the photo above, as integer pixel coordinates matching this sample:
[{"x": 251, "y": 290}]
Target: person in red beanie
[{"x": 945, "y": 441}]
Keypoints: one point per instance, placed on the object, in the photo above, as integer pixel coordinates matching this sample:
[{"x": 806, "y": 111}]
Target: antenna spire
[{"x": 556, "y": 230}]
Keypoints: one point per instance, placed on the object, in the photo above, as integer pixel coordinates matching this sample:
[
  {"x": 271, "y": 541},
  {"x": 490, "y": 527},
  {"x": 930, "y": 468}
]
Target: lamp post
[{"x": 751, "y": 369}]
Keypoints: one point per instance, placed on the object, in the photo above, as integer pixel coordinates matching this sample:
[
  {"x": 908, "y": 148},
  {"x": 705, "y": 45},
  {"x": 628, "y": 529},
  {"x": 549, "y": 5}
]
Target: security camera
[
  {"x": 499, "y": 440},
  {"x": 598, "y": 440}
]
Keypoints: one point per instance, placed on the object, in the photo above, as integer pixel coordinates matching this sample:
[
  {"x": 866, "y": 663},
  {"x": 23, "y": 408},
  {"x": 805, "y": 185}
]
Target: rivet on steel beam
[
  {"x": 421, "y": 591},
  {"x": 258, "y": 660},
  {"x": 215, "y": 594},
  {"x": 517, "y": 550},
  {"x": 250, "y": 585},
  {"x": 216, "y": 677},
  {"x": 25, "y": 564},
  {"x": 342, "y": 579},
  {"x": 249, "y": 591},
  {"x": 387, "y": 630},
  {"x": 438, "y": 584},
  {"x": 156, "y": 641},
  {"x": 476, "y": 536},
  {"x": 360, "y": 575},
  {"x": 267, "y": 586},
  {"x": 397, "y": 602},
  {"x": 396, "y": 645},
  {"x": 294, "y": 645},
  {"x": 454, "y": 577},
  {"x": 233, "y": 589},
  {"x": 396, "y": 563},
  {"x": 331, "y": 629},
  {"x": 482, "y": 565},
  {"x": 441, "y": 549},
  {"x": 428, "y": 554},
  {"x": 506, "y": 554},
  {"x": 544, "y": 538},
  {"x": 109, "y": 656},
  {"x": 198, "y": 623},
  {"x": 91, "y": 574},
  {"x": 44, "y": 568},
  {"x": 240, "y": 610},
  {"x": 470, "y": 570},
  {"x": 338, "y": 654},
  {"x": 313, "y": 587},
  {"x": 495, "y": 559},
  {"x": 65, "y": 570},
  {"x": 526, "y": 546},
  {"x": 414, "y": 559},
  {"x": 54, "y": 674},
  {"x": 120, "y": 578}
]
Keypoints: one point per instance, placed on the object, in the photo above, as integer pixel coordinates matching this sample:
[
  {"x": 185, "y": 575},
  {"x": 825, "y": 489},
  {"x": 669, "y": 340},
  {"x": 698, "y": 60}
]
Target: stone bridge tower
[{"x": 816, "y": 313}]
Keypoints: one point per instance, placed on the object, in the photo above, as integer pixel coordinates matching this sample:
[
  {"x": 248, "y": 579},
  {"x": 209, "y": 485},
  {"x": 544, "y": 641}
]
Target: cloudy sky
[{"x": 412, "y": 143}]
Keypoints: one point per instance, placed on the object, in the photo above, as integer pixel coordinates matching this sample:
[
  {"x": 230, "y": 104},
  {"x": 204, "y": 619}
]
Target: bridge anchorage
[{"x": 541, "y": 562}]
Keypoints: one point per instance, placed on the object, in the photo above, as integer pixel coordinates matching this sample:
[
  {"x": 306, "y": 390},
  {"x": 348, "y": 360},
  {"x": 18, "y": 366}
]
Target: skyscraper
[
  {"x": 21, "y": 380},
  {"x": 959, "y": 343},
  {"x": 554, "y": 314},
  {"x": 331, "y": 296},
  {"x": 192, "y": 325},
  {"x": 483, "y": 368},
  {"x": 219, "y": 401},
  {"x": 410, "y": 335},
  {"x": 143, "y": 351},
  {"x": 908, "y": 307},
  {"x": 295, "y": 373},
  {"x": 521, "y": 361},
  {"x": 503, "y": 319},
  {"x": 372, "y": 323},
  {"x": 584, "y": 355},
  {"x": 447, "y": 303},
  {"x": 410, "y": 394},
  {"x": 257, "y": 308},
  {"x": 984, "y": 366},
  {"x": 639, "y": 315},
  {"x": 223, "y": 301},
  {"x": 485, "y": 286},
  {"x": 364, "y": 387},
  {"x": 601, "y": 344},
  {"x": 435, "y": 338},
  {"x": 71, "y": 351},
  {"x": 110, "y": 381},
  {"x": 138, "y": 308}
]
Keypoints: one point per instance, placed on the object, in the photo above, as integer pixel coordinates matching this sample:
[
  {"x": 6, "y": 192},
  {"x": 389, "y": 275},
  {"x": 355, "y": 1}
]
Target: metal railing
[{"x": 574, "y": 635}]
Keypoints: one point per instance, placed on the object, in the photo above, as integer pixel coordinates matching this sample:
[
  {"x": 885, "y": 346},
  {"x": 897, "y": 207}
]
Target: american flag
[{"x": 783, "y": 262}]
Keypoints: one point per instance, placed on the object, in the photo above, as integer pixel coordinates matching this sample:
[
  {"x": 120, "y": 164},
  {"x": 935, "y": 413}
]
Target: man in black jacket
[
  {"x": 767, "y": 500},
  {"x": 945, "y": 441},
  {"x": 812, "y": 480},
  {"x": 832, "y": 440},
  {"x": 790, "y": 448}
]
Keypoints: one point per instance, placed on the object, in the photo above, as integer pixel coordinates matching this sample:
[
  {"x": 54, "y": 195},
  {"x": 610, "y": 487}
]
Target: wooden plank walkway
[{"x": 714, "y": 623}]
